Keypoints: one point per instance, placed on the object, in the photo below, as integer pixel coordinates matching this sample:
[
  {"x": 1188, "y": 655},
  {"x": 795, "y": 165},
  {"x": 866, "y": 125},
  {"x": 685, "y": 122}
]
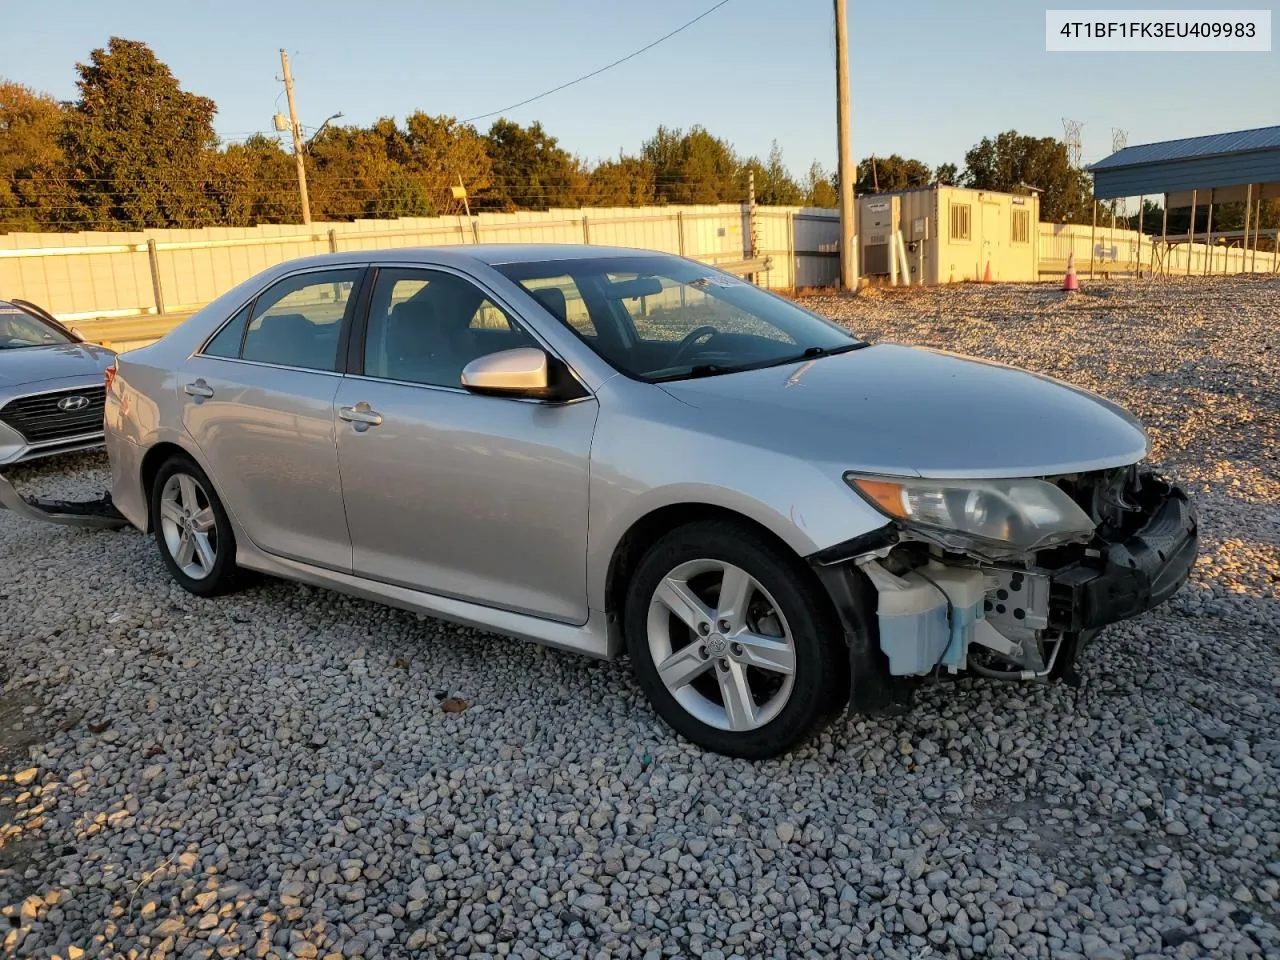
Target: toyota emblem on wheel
[{"x": 71, "y": 404}]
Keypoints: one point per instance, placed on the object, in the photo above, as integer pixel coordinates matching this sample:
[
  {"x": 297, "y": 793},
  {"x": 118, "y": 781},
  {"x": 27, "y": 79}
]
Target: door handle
[
  {"x": 198, "y": 389},
  {"x": 361, "y": 416}
]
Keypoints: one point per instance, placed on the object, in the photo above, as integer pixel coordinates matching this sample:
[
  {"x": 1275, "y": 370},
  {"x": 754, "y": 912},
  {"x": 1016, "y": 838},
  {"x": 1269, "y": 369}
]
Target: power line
[{"x": 596, "y": 73}]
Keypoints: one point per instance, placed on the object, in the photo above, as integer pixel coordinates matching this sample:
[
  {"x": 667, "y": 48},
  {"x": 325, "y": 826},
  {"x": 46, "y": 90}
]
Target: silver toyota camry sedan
[{"x": 615, "y": 451}]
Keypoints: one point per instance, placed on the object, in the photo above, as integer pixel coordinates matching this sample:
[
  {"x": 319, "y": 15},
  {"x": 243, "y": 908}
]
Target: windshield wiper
[
  {"x": 811, "y": 352},
  {"x": 716, "y": 369},
  {"x": 707, "y": 370},
  {"x": 703, "y": 370}
]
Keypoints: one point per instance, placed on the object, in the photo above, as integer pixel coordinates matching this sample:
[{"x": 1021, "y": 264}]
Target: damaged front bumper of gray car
[
  {"x": 1001, "y": 579},
  {"x": 99, "y": 514}
]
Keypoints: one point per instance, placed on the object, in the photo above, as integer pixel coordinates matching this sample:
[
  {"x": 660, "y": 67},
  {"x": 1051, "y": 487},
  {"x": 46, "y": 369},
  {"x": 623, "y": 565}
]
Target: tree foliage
[
  {"x": 33, "y": 192},
  {"x": 820, "y": 189},
  {"x": 530, "y": 169},
  {"x": 692, "y": 167},
  {"x": 1012, "y": 162},
  {"x": 886, "y": 174},
  {"x": 775, "y": 187},
  {"x": 625, "y": 182},
  {"x": 137, "y": 144},
  {"x": 136, "y": 150}
]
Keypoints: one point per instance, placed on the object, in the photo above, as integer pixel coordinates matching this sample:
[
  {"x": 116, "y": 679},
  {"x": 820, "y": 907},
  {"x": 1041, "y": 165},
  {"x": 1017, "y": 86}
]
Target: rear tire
[
  {"x": 733, "y": 640},
  {"x": 192, "y": 529}
]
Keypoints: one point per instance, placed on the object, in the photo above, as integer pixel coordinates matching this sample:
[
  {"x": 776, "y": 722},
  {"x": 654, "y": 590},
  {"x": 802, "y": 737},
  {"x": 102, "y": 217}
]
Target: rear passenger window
[
  {"x": 297, "y": 322},
  {"x": 226, "y": 342}
]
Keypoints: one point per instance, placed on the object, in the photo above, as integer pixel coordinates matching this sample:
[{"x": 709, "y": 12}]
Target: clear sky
[{"x": 930, "y": 78}]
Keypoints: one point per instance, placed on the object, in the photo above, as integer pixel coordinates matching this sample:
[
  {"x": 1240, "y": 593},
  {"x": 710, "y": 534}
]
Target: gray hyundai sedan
[
  {"x": 51, "y": 385},
  {"x": 616, "y": 451}
]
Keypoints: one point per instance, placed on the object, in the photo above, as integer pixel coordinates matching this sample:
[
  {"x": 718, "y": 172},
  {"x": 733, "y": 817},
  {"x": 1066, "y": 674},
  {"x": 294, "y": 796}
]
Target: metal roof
[
  {"x": 1213, "y": 145},
  {"x": 1216, "y": 162}
]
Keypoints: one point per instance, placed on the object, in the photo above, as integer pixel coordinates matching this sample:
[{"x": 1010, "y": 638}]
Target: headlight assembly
[{"x": 1025, "y": 514}]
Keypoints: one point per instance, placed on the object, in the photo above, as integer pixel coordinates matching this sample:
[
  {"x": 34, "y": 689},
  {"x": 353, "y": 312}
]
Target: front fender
[{"x": 639, "y": 466}]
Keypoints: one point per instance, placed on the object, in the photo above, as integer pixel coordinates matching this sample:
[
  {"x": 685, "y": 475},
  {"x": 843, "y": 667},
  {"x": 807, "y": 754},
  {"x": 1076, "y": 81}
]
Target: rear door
[
  {"x": 481, "y": 498},
  {"x": 258, "y": 402}
]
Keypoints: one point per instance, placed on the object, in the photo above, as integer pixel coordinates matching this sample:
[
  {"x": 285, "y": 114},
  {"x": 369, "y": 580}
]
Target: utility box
[
  {"x": 951, "y": 234},
  {"x": 877, "y": 219}
]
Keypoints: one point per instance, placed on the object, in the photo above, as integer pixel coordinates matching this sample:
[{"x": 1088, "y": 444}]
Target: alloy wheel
[
  {"x": 721, "y": 645},
  {"x": 188, "y": 525}
]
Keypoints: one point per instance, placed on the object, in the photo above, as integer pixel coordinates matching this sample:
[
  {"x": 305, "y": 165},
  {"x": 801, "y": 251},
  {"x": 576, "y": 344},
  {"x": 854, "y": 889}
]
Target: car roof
[
  {"x": 496, "y": 253},
  {"x": 491, "y": 254}
]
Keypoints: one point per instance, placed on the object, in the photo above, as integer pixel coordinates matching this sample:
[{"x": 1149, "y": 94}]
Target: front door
[
  {"x": 259, "y": 405},
  {"x": 480, "y": 498}
]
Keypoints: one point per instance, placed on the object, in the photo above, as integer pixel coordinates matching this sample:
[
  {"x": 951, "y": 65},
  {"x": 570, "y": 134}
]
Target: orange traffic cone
[
  {"x": 952, "y": 278},
  {"x": 986, "y": 274},
  {"x": 1069, "y": 282}
]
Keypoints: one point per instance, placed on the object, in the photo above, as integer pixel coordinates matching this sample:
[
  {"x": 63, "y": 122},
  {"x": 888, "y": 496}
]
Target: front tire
[
  {"x": 733, "y": 640},
  {"x": 192, "y": 529}
]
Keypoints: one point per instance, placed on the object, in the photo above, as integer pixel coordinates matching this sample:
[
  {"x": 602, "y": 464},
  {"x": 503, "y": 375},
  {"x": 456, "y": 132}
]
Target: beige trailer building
[{"x": 949, "y": 234}]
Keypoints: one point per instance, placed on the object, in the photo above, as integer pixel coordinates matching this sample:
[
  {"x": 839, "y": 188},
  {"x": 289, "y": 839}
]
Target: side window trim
[
  {"x": 359, "y": 286},
  {"x": 360, "y": 334},
  {"x": 247, "y": 305}
]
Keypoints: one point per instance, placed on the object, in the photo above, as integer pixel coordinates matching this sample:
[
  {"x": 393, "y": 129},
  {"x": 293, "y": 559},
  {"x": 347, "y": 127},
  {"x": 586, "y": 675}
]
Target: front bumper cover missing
[{"x": 98, "y": 514}]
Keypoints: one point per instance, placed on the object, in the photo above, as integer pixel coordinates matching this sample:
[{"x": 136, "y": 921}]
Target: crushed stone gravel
[{"x": 272, "y": 774}]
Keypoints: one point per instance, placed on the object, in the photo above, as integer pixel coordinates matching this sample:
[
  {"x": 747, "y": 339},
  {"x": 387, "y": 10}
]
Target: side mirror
[{"x": 522, "y": 372}]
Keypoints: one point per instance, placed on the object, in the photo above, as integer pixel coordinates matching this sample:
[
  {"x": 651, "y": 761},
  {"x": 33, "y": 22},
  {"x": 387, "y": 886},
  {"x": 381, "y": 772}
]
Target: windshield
[
  {"x": 665, "y": 318},
  {"x": 21, "y": 329}
]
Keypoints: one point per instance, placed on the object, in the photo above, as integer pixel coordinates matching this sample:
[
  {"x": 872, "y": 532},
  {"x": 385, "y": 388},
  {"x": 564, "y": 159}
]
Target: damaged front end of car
[
  {"x": 1006, "y": 579},
  {"x": 98, "y": 514}
]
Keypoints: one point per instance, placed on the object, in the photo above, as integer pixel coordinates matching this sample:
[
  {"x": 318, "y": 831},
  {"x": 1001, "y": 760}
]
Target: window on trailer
[
  {"x": 1020, "y": 226},
  {"x": 960, "y": 221}
]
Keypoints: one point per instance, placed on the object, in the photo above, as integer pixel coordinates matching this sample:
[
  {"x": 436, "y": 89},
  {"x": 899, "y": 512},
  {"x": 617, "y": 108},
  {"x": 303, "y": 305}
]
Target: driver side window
[{"x": 425, "y": 326}]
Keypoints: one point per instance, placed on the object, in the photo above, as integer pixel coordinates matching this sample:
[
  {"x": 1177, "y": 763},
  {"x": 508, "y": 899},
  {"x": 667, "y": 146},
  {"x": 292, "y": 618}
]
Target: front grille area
[{"x": 39, "y": 419}]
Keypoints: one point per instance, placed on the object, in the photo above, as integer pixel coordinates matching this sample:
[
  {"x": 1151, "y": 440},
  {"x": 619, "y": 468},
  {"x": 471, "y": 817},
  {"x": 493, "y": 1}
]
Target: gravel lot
[{"x": 276, "y": 773}]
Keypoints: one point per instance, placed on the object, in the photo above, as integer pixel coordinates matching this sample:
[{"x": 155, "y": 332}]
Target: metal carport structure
[{"x": 1220, "y": 168}]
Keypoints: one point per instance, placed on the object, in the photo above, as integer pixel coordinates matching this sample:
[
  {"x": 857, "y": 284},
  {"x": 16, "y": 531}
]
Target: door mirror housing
[{"x": 523, "y": 372}]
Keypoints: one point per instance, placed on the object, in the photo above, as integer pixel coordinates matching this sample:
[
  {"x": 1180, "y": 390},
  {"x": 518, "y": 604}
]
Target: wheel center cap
[{"x": 716, "y": 644}]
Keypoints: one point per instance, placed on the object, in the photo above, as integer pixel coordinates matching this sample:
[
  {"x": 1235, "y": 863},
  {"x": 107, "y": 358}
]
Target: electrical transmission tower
[
  {"x": 1071, "y": 136},
  {"x": 1119, "y": 140}
]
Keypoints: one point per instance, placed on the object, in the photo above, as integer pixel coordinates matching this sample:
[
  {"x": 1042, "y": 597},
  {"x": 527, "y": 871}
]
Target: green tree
[
  {"x": 775, "y": 186},
  {"x": 137, "y": 144},
  {"x": 884, "y": 174},
  {"x": 254, "y": 182},
  {"x": 692, "y": 167},
  {"x": 947, "y": 173},
  {"x": 438, "y": 151},
  {"x": 348, "y": 171},
  {"x": 33, "y": 189},
  {"x": 625, "y": 182},
  {"x": 1013, "y": 162},
  {"x": 530, "y": 170},
  {"x": 820, "y": 187}
]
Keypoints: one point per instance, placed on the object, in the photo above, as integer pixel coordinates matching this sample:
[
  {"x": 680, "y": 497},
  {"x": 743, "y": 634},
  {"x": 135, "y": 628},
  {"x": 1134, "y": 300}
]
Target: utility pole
[
  {"x": 845, "y": 172},
  {"x": 297, "y": 138}
]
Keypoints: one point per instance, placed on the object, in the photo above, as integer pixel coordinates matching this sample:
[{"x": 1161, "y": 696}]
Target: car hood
[
  {"x": 908, "y": 411},
  {"x": 58, "y": 362}
]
